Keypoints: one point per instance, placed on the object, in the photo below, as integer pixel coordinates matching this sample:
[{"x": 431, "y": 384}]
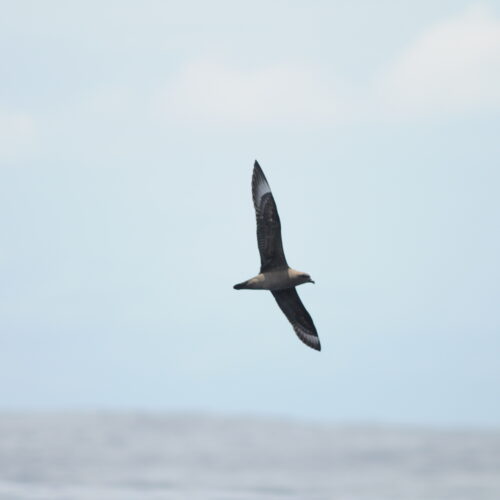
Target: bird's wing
[
  {"x": 268, "y": 223},
  {"x": 291, "y": 305}
]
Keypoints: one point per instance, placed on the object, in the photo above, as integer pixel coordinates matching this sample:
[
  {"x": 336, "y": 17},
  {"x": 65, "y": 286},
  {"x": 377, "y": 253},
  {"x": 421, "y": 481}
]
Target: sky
[{"x": 128, "y": 132}]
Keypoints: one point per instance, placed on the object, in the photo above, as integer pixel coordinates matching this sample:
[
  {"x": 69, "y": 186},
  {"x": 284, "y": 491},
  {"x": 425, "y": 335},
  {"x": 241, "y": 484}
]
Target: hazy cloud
[
  {"x": 453, "y": 67},
  {"x": 17, "y": 134},
  {"x": 217, "y": 92}
]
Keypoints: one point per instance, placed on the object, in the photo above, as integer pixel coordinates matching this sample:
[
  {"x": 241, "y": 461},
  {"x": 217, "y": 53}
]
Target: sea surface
[{"x": 186, "y": 457}]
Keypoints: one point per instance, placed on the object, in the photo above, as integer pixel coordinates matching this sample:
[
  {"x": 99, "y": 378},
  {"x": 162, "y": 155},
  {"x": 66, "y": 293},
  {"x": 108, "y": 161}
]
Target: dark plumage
[
  {"x": 272, "y": 256},
  {"x": 275, "y": 274}
]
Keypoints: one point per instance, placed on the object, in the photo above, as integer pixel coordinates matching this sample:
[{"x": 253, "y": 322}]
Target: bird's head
[{"x": 306, "y": 278}]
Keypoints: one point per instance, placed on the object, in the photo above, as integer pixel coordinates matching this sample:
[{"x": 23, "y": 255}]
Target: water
[{"x": 124, "y": 457}]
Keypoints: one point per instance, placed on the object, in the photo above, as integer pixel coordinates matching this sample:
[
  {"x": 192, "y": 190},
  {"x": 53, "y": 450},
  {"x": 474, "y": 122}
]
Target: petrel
[{"x": 275, "y": 274}]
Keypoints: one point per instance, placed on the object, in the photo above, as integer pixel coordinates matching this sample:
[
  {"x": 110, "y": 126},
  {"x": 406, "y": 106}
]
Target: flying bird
[{"x": 275, "y": 274}]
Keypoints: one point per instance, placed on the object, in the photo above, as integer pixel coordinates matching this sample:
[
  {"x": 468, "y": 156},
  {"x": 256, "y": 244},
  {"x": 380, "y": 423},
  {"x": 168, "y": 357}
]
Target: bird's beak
[{"x": 311, "y": 281}]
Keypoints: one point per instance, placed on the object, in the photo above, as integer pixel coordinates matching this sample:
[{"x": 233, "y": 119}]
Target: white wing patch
[
  {"x": 261, "y": 189},
  {"x": 307, "y": 337}
]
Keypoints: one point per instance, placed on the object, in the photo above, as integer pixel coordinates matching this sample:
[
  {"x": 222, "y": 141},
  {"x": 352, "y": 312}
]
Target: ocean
[{"x": 190, "y": 457}]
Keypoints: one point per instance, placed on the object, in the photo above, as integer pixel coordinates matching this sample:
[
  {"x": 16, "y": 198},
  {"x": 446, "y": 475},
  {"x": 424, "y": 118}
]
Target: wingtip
[
  {"x": 309, "y": 340},
  {"x": 313, "y": 344},
  {"x": 260, "y": 186}
]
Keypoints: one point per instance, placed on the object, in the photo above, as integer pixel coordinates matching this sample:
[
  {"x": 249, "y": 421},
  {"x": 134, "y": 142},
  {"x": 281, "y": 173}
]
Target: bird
[{"x": 275, "y": 274}]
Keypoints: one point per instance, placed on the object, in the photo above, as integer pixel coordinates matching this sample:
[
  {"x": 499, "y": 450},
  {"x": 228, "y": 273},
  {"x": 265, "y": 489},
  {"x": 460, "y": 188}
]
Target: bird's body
[
  {"x": 275, "y": 274},
  {"x": 274, "y": 280}
]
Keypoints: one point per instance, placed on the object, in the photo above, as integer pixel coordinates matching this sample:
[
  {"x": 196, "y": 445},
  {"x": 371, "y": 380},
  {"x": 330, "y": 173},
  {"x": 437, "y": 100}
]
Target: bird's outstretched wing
[
  {"x": 268, "y": 223},
  {"x": 291, "y": 305}
]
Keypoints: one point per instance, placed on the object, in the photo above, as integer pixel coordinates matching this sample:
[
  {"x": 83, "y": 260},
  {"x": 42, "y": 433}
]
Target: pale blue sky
[{"x": 128, "y": 131}]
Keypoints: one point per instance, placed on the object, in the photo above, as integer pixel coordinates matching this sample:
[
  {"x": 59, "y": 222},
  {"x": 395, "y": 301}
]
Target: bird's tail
[{"x": 239, "y": 286}]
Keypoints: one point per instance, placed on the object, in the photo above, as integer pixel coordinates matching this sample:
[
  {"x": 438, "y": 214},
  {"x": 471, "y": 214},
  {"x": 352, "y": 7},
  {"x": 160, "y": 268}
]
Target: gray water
[{"x": 122, "y": 457}]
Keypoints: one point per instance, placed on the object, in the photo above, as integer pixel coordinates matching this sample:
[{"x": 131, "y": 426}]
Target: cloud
[
  {"x": 220, "y": 93},
  {"x": 17, "y": 134},
  {"x": 453, "y": 67}
]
